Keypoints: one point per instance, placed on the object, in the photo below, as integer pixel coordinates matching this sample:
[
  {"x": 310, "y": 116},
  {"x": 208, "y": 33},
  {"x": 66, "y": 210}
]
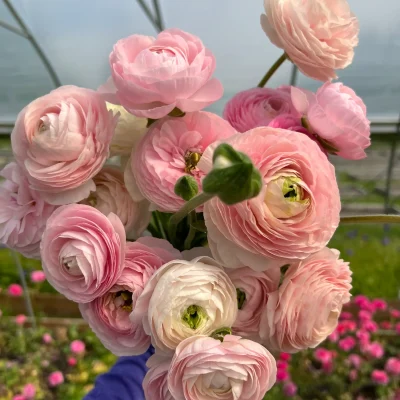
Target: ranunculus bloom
[
  {"x": 23, "y": 213},
  {"x": 29, "y": 391},
  {"x": 111, "y": 196},
  {"x": 183, "y": 299},
  {"x": 296, "y": 212},
  {"x": 62, "y": 140},
  {"x": 77, "y": 347},
  {"x": 322, "y": 355},
  {"x": 205, "y": 368},
  {"x": 306, "y": 307},
  {"x": 375, "y": 350},
  {"x": 319, "y": 36},
  {"x": 155, "y": 383},
  {"x": 338, "y": 116},
  {"x": 355, "y": 360},
  {"x": 155, "y": 75},
  {"x": 47, "y": 338},
  {"x": 252, "y": 289},
  {"x": 38, "y": 276},
  {"x": 55, "y": 378},
  {"x": 108, "y": 315},
  {"x": 393, "y": 366},
  {"x": 20, "y": 319},
  {"x": 171, "y": 149},
  {"x": 128, "y": 132},
  {"x": 289, "y": 389},
  {"x": 379, "y": 304},
  {"x": 15, "y": 290},
  {"x": 83, "y": 251},
  {"x": 347, "y": 344},
  {"x": 258, "y": 107},
  {"x": 380, "y": 377}
]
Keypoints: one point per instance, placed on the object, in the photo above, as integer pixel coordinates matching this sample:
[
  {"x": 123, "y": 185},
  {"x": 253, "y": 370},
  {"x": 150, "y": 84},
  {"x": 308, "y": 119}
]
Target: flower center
[
  {"x": 191, "y": 161},
  {"x": 123, "y": 299},
  {"x": 286, "y": 197},
  {"x": 194, "y": 316},
  {"x": 71, "y": 265},
  {"x": 241, "y": 298}
]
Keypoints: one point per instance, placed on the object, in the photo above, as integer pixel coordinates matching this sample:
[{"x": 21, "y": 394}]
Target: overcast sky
[{"x": 78, "y": 36}]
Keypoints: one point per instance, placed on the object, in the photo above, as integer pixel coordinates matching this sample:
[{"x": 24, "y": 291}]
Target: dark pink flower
[
  {"x": 380, "y": 377},
  {"x": 347, "y": 344},
  {"x": 289, "y": 389},
  {"x": 280, "y": 364},
  {"x": 370, "y": 326},
  {"x": 15, "y": 290},
  {"x": 379, "y": 304},
  {"x": 38, "y": 276},
  {"x": 386, "y": 325},
  {"x": 323, "y": 355},
  {"x": 285, "y": 356},
  {"x": 55, "y": 378},
  {"x": 395, "y": 313},
  {"x": 346, "y": 315},
  {"x": 364, "y": 315},
  {"x": 72, "y": 361},
  {"x": 282, "y": 375},
  {"x": 393, "y": 366},
  {"x": 355, "y": 360},
  {"x": 375, "y": 350},
  {"x": 398, "y": 328}
]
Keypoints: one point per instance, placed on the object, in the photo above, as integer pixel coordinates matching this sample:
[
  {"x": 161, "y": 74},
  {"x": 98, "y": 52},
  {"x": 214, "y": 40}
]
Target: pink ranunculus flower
[
  {"x": 47, "y": 338},
  {"x": 83, "y": 251},
  {"x": 379, "y": 304},
  {"x": 38, "y": 276},
  {"x": 155, "y": 383},
  {"x": 29, "y": 391},
  {"x": 296, "y": 212},
  {"x": 393, "y": 366},
  {"x": 206, "y": 368},
  {"x": 108, "y": 315},
  {"x": 306, "y": 307},
  {"x": 112, "y": 196},
  {"x": 348, "y": 343},
  {"x": 338, "y": 117},
  {"x": 319, "y": 37},
  {"x": 184, "y": 299},
  {"x": 322, "y": 355},
  {"x": 380, "y": 377},
  {"x": 257, "y": 107},
  {"x": 171, "y": 149},
  {"x": 355, "y": 360},
  {"x": 20, "y": 319},
  {"x": 55, "y": 378},
  {"x": 72, "y": 361},
  {"x": 375, "y": 350},
  {"x": 253, "y": 288},
  {"x": 155, "y": 75},
  {"x": 15, "y": 290},
  {"x": 62, "y": 140},
  {"x": 289, "y": 389},
  {"x": 77, "y": 347},
  {"x": 23, "y": 212}
]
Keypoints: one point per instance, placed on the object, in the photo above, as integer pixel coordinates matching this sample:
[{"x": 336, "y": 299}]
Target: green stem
[
  {"x": 159, "y": 225},
  {"x": 191, "y": 205},
  {"x": 371, "y": 219},
  {"x": 272, "y": 70},
  {"x": 192, "y": 231}
]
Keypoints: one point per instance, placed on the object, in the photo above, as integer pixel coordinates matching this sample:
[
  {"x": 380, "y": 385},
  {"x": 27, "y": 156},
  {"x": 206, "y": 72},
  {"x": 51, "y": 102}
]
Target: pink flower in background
[
  {"x": 20, "y": 319},
  {"x": 274, "y": 229},
  {"x": 155, "y": 383},
  {"x": 23, "y": 212},
  {"x": 77, "y": 347},
  {"x": 29, "y": 391},
  {"x": 61, "y": 140},
  {"x": 289, "y": 389},
  {"x": 83, "y": 252},
  {"x": 205, "y": 365},
  {"x": 361, "y": 301},
  {"x": 393, "y": 366},
  {"x": 334, "y": 336},
  {"x": 55, "y": 378},
  {"x": 380, "y": 377},
  {"x": 363, "y": 336},
  {"x": 72, "y": 361},
  {"x": 386, "y": 325},
  {"x": 112, "y": 196},
  {"x": 108, "y": 315},
  {"x": 346, "y": 326},
  {"x": 19, "y": 397},
  {"x": 258, "y": 107},
  {"x": 327, "y": 367},
  {"x": 355, "y": 360},
  {"x": 364, "y": 315},
  {"x": 379, "y": 304},
  {"x": 370, "y": 326},
  {"x": 155, "y": 75},
  {"x": 171, "y": 149},
  {"x": 324, "y": 356},
  {"x": 375, "y": 350},
  {"x": 15, "y": 290},
  {"x": 395, "y": 313},
  {"x": 306, "y": 307},
  {"x": 346, "y": 315},
  {"x": 338, "y": 116},
  {"x": 319, "y": 37},
  {"x": 38, "y": 276},
  {"x": 347, "y": 344},
  {"x": 253, "y": 288},
  {"x": 280, "y": 364},
  {"x": 47, "y": 338},
  {"x": 282, "y": 375},
  {"x": 397, "y": 328},
  {"x": 285, "y": 356},
  {"x": 353, "y": 375}
]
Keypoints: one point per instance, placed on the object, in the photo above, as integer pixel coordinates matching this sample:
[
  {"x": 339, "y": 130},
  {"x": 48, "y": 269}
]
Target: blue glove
[{"x": 123, "y": 381}]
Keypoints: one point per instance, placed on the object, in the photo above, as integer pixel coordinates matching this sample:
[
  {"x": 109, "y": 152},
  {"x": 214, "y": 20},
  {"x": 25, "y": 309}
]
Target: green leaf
[{"x": 186, "y": 187}]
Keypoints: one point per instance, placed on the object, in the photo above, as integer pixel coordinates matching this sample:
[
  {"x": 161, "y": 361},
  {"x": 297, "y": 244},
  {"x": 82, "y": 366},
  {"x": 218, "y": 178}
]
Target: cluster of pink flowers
[{"x": 267, "y": 282}]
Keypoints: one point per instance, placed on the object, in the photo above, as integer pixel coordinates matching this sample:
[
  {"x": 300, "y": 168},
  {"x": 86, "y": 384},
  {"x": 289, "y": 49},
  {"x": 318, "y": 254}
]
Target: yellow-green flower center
[
  {"x": 124, "y": 300},
  {"x": 191, "y": 161},
  {"x": 194, "y": 316}
]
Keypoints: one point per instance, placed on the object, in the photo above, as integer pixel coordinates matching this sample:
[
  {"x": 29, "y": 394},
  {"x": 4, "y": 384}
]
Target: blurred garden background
[{"x": 47, "y": 352}]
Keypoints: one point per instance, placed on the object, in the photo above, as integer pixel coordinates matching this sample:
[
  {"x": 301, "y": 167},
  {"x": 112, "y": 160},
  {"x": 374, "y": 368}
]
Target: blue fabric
[{"x": 123, "y": 381}]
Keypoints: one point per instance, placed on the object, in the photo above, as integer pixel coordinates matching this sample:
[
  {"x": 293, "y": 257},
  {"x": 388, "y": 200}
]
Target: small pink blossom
[
  {"x": 289, "y": 389},
  {"x": 364, "y": 315},
  {"x": 55, "y": 378},
  {"x": 280, "y": 364},
  {"x": 334, "y": 336},
  {"x": 346, "y": 315},
  {"x": 29, "y": 391},
  {"x": 379, "y": 304},
  {"x": 38, "y": 276},
  {"x": 323, "y": 355},
  {"x": 386, "y": 325},
  {"x": 72, "y": 361},
  {"x": 20, "y": 319},
  {"x": 380, "y": 377},
  {"x": 397, "y": 328},
  {"x": 355, "y": 360},
  {"x": 375, "y": 350},
  {"x": 393, "y": 366},
  {"x": 395, "y": 313},
  {"x": 347, "y": 344},
  {"x": 282, "y": 375},
  {"x": 77, "y": 347},
  {"x": 370, "y": 326},
  {"x": 363, "y": 336},
  {"x": 353, "y": 375},
  {"x": 285, "y": 356},
  {"x": 327, "y": 367},
  {"x": 19, "y": 397},
  {"x": 361, "y": 300},
  {"x": 47, "y": 338},
  {"x": 15, "y": 290}
]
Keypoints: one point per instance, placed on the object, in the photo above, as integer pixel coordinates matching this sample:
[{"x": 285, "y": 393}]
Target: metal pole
[
  {"x": 157, "y": 8},
  {"x": 35, "y": 44},
  {"x": 154, "y": 21},
  {"x": 27, "y": 297}
]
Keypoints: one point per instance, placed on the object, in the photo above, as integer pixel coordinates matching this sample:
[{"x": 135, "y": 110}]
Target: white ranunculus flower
[{"x": 186, "y": 298}]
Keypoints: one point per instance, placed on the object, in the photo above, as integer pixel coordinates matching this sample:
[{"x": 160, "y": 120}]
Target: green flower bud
[
  {"x": 219, "y": 334},
  {"x": 186, "y": 187}
]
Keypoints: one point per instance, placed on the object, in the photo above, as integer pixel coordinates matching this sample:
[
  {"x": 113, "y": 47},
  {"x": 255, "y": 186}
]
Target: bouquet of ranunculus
[{"x": 204, "y": 237}]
